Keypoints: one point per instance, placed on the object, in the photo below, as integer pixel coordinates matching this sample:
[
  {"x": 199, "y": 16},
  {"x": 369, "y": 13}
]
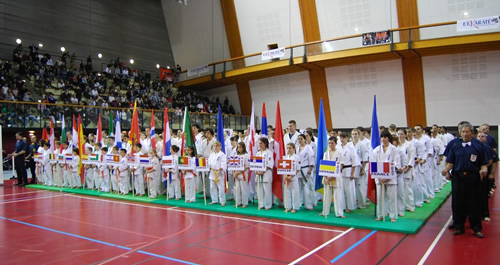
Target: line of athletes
[{"x": 416, "y": 155}]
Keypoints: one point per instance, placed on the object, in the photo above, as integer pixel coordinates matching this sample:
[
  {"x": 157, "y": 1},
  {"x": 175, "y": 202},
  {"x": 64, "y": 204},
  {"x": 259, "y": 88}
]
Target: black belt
[
  {"x": 347, "y": 166},
  {"x": 466, "y": 172}
]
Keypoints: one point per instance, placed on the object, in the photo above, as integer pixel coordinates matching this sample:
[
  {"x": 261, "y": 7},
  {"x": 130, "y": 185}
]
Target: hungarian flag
[
  {"x": 94, "y": 157},
  {"x": 153, "y": 133},
  {"x": 278, "y": 152}
]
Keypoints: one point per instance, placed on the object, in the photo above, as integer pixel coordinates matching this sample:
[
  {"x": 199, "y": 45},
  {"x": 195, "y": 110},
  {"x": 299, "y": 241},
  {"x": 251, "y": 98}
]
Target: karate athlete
[
  {"x": 409, "y": 151},
  {"x": 65, "y": 167},
  {"x": 241, "y": 178},
  {"x": 217, "y": 162},
  {"x": 89, "y": 171},
  {"x": 206, "y": 148},
  {"x": 138, "y": 171},
  {"x": 291, "y": 183},
  {"x": 123, "y": 173},
  {"x": 174, "y": 182},
  {"x": 57, "y": 174},
  {"x": 104, "y": 172},
  {"x": 46, "y": 166},
  {"x": 264, "y": 178},
  {"x": 360, "y": 176},
  {"x": 75, "y": 177},
  {"x": 189, "y": 176},
  {"x": 350, "y": 162},
  {"x": 333, "y": 186},
  {"x": 305, "y": 177},
  {"x": 114, "y": 171},
  {"x": 386, "y": 152},
  {"x": 153, "y": 175},
  {"x": 419, "y": 173},
  {"x": 400, "y": 169}
]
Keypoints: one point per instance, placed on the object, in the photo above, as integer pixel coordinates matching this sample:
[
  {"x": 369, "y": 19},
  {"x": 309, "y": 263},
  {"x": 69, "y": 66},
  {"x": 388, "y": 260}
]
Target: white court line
[
  {"x": 32, "y": 199},
  {"x": 320, "y": 247},
  {"x": 22, "y": 193},
  {"x": 431, "y": 248},
  {"x": 206, "y": 214}
]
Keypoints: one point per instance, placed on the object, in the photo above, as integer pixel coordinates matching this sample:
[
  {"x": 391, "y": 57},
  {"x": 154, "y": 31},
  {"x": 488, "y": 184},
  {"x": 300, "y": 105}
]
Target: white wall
[
  {"x": 294, "y": 93},
  {"x": 351, "y": 89},
  {"x": 338, "y": 18},
  {"x": 436, "y": 11},
  {"x": 462, "y": 87},
  {"x": 231, "y": 92},
  {"x": 197, "y": 33},
  {"x": 264, "y": 22}
]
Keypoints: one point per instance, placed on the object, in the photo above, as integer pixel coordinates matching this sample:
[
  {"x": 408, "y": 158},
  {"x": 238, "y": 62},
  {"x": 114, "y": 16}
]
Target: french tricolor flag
[
  {"x": 380, "y": 167},
  {"x": 153, "y": 133}
]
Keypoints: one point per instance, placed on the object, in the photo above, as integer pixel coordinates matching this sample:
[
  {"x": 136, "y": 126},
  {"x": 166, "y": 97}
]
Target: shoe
[
  {"x": 478, "y": 234},
  {"x": 13, "y": 178},
  {"x": 459, "y": 232},
  {"x": 452, "y": 226},
  {"x": 487, "y": 219}
]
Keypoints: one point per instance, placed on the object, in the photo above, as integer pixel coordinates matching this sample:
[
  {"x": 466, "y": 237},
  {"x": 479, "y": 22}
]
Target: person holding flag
[
  {"x": 306, "y": 161},
  {"x": 241, "y": 177},
  {"x": 333, "y": 186},
  {"x": 190, "y": 175},
  {"x": 46, "y": 166},
  {"x": 174, "y": 187},
  {"x": 292, "y": 194},
  {"x": 206, "y": 150},
  {"x": 75, "y": 173},
  {"x": 153, "y": 174},
  {"x": 217, "y": 162},
  {"x": 264, "y": 178},
  {"x": 138, "y": 172}
]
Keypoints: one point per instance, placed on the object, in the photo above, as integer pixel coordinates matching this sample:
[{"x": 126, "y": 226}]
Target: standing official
[
  {"x": 467, "y": 157},
  {"x": 19, "y": 155}
]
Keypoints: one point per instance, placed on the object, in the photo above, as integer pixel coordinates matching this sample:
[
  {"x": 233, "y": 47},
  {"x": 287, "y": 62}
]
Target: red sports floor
[{"x": 43, "y": 227}]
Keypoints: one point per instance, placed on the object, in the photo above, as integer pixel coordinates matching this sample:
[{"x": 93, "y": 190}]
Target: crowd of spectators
[{"x": 117, "y": 86}]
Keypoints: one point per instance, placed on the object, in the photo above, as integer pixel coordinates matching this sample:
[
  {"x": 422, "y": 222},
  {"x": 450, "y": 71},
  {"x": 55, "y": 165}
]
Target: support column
[
  {"x": 413, "y": 74},
  {"x": 236, "y": 50},
  {"x": 317, "y": 76}
]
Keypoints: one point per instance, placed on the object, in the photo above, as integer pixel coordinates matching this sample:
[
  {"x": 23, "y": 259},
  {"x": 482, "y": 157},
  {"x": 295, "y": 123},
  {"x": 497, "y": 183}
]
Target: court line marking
[
  {"x": 95, "y": 240},
  {"x": 321, "y": 246},
  {"x": 352, "y": 247},
  {"x": 434, "y": 243},
  {"x": 31, "y": 199},
  {"x": 21, "y": 193},
  {"x": 22, "y": 198},
  {"x": 206, "y": 214}
]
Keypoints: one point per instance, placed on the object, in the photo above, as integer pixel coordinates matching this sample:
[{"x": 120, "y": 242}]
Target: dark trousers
[
  {"x": 485, "y": 191},
  {"x": 22, "y": 176},
  {"x": 466, "y": 200},
  {"x": 32, "y": 165}
]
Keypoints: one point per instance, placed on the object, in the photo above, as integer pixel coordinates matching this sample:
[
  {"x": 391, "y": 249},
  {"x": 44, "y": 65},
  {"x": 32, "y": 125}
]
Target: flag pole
[
  {"x": 235, "y": 192},
  {"x": 326, "y": 188},
  {"x": 258, "y": 192},
  {"x": 383, "y": 201},
  {"x": 286, "y": 190},
  {"x": 204, "y": 192},
  {"x": 133, "y": 183},
  {"x": 147, "y": 182}
]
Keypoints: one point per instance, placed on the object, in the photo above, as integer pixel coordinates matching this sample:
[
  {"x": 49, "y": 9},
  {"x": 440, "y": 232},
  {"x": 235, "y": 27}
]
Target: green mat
[{"x": 409, "y": 224}]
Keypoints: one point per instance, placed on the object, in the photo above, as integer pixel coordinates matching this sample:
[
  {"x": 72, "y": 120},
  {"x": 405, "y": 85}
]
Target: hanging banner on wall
[
  {"x": 373, "y": 38},
  {"x": 271, "y": 54},
  {"x": 479, "y": 23},
  {"x": 198, "y": 70}
]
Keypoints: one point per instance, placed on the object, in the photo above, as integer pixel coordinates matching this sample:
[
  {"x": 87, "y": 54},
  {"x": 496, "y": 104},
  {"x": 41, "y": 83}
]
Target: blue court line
[
  {"x": 495, "y": 209},
  {"x": 352, "y": 247},
  {"x": 96, "y": 241}
]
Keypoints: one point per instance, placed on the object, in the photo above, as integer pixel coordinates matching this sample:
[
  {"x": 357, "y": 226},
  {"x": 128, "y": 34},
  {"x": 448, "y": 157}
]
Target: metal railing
[
  {"x": 31, "y": 115},
  {"x": 303, "y": 51}
]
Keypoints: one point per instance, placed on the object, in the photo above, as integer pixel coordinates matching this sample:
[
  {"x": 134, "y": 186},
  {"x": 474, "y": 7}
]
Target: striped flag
[
  {"x": 329, "y": 168},
  {"x": 63, "y": 135},
  {"x": 98, "y": 133},
  {"x": 167, "y": 162},
  {"x": 153, "y": 133},
  {"x": 257, "y": 163},
  {"x": 278, "y": 152},
  {"x": 166, "y": 135},
  {"x": 74, "y": 134},
  {"x": 118, "y": 133}
]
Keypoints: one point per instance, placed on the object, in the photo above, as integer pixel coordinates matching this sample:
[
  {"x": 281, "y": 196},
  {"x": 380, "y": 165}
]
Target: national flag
[
  {"x": 256, "y": 159},
  {"x": 94, "y": 157},
  {"x": 84, "y": 158},
  {"x": 167, "y": 162},
  {"x": 252, "y": 147},
  {"x": 380, "y": 167},
  {"x": 220, "y": 131},
  {"x": 44, "y": 135},
  {"x": 98, "y": 133},
  {"x": 375, "y": 141},
  {"x": 187, "y": 136},
  {"x": 285, "y": 164},
  {"x": 74, "y": 133},
  {"x": 116, "y": 158},
  {"x": 144, "y": 159},
  {"x": 81, "y": 148},
  {"x": 37, "y": 157},
  {"x": 60, "y": 158},
  {"x": 52, "y": 157},
  {"x": 183, "y": 160},
  {"x": 328, "y": 165},
  {"x": 322, "y": 144},
  {"x": 263, "y": 125},
  {"x": 278, "y": 152},
  {"x": 63, "y": 134},
  {"x": 118, "y": 133},
  {"x": 167, "y": 142},
  {"x": 153, "y": 133},
  {"x": 134, "y": 128},
  {"x": 68, "y": 158},
  {"x": 234, "y": 161},
  {"x": 201, "y": 162},
  {"x": 52, "y": 136},
  {"x": 111, "y": 124}
]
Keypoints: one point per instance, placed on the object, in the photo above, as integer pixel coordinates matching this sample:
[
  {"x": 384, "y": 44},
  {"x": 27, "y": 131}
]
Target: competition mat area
[{"x": 409, "y": 224}]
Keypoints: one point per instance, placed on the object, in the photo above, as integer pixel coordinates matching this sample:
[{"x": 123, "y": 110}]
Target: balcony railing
[{"x": 30, "y": 115}]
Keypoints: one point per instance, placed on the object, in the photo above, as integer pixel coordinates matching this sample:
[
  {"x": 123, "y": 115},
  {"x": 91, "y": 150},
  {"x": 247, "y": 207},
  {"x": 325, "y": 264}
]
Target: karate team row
[{"x": 416, "y": 155}]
